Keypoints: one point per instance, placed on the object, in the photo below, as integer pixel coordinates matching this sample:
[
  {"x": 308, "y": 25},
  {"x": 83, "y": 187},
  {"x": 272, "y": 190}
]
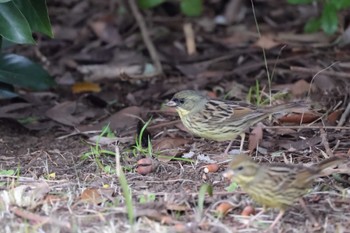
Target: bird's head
[
  {"x": 242, "y": 169},
  {"x": 187, "y": 101}
]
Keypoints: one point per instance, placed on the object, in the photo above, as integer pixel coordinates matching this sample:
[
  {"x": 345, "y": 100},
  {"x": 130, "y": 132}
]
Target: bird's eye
[
  {"x": 181, "y": 101},
  {"x": 240, "y": 168}
]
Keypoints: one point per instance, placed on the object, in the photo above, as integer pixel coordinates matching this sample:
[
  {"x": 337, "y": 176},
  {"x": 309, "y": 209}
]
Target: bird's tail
[
  {"x": 331, "y": 162},
  {"x": 288, "y": 107}
]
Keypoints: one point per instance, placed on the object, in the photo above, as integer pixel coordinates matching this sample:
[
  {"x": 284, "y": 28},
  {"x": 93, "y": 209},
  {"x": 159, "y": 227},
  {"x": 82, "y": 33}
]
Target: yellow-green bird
[
  {"x": 276, "y": 185},
  {"x": 220, "y": 120}
]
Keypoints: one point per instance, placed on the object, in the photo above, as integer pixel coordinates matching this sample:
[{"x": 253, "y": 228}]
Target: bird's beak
[
  {"x": 228, "y": 174},
  {"x": 171, "y": 104}
]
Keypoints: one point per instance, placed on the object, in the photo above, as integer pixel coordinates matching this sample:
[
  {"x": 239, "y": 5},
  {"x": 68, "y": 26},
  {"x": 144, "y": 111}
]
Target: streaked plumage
[
  {"x": 219, "y": 120},
  {"x": 275, "y": 185}
]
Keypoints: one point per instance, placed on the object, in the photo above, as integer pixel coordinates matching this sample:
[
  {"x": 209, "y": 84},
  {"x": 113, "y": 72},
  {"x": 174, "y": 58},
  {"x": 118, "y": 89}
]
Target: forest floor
[{"x": 60, "y": 173}]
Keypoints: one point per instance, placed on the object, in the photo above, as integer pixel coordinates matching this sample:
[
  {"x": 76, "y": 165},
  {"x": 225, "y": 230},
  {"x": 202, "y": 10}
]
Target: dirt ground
[{"x": 59, "y": 173}]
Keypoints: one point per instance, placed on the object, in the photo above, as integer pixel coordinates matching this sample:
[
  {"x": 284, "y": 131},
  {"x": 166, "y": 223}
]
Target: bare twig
[
  {"x": 344, "y": 116},
  {"x": 145, "y": 36},
  {"x": 117, "y": 160},
  {"x": 325, "y": 142},
  {"x": 312, "y": 71}
]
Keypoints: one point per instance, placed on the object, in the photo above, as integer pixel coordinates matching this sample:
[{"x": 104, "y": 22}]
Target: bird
[
  {"x": 275, "y": 185},
  {"x": 221, "y": 120}
]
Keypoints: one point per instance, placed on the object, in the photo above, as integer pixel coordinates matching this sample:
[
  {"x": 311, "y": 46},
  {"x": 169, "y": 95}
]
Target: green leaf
[
  {"x": 3, "y": 1},
  {"x": 13, "y": 24},
  {"x": 5, "y": 94},
  {"x": 300, "y": 1},
  {"x": 191, "y": 7},
  {"x": 313, "y": 25},
  {"x": 36, "y": 14},
  {"x": 146, "y": 4},
  {"x": 341, "y": 4},
  {"x": 329, "y": 19},
  {"x": 20, "y": 71}
]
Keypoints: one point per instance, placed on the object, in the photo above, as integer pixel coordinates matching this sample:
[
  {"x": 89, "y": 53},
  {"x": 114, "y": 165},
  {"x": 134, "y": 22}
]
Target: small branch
[
  {"x": 145, "y": 36},
  {"x": 313, "y": 71},
  {"x": 344, "y": 116}
]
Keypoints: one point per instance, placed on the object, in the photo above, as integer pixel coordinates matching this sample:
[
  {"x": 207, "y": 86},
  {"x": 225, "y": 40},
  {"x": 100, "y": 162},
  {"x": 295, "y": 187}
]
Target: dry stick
[
  {"x": 312, "y": 71},
  {"x": 308, "y": 212},
  {"x": 145, "y": 36},
  {"x": 190, "y": 41},
  {"x": 117, "y": 160},
  {"x": 344, "y": 115},
  {"x": 326, "y": 143}
]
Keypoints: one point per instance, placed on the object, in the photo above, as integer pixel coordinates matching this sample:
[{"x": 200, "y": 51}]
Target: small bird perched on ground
[
  {"x": 220, "y": 120},
  {"x": 275, "y": 185}
]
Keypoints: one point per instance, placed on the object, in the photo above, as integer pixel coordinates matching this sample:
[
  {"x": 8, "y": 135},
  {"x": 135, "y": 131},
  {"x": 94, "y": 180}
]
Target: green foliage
[
  {"x": 20, "y": 71},
  {"x": 188, "y": 7},
  {"x": 147, "y": 4},
  {"x": 205, "y": 188},
  {"x": 328, "y": 21},
  {"x": 191, "y": 7},
  {"x": 18, "y": 20},
  {"x": 127, "y": 197},
  {"x": 138, "y": 148}
]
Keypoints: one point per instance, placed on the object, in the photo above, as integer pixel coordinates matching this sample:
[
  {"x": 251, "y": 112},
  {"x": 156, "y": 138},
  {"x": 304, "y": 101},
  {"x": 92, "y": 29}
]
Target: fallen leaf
[
  {"x": 266, "y": 42},
  {"x": 63, "y": 113},
  {"x": 168, "y": 147},
  {"x": 124, "y": 121},
  {"x": 26, "y": 196},
  {"x": 334, "y": 116},
  {"x": 85, "y": 87},
  {"x": 300, "y": 88},
  {"x": 255, "y": 137},
  {"x": 224, "y": 208},
  {"x": 298, "y": 118},
  {"x": 248, "y": 210},
  {"x": 96, "y": 195}
]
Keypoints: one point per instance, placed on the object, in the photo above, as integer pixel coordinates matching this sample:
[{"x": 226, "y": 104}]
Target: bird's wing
[{"x": 228, "y": 111}]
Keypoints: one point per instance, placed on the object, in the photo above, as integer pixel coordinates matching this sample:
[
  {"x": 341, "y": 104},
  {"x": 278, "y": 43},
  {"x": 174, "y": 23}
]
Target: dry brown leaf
[
  {"x": 28, "y": 196},
  {"x": 248, "y": 210},
  {"x": 123, "y": 121},
  {"x": 224, "y": 208},
  {"x": 105, "y": 30},
  {"x": 334, "y": 116},
  {"x": 298, "y": 118},
  {"x": 85, "y": 87},
  {"x": 168, "y": 147},
  {"x": 63, "y": 113},
  {"x": 266, "y": 42},
  {"x": 300, "y": 88},
  {"x": 91, "y": 195},
  {"x": 255, "y": 137}
]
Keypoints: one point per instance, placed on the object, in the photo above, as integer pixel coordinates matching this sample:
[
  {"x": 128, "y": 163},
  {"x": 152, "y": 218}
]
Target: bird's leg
[
  {"x": 273, "y": 224},
  {"x": 307, "y": 211},
  {"x": 242, "y": 142},
  {"x": 228, "y": 147},
  {"x": 252, "y": 219},
  {"x": 242, "y": 135}
]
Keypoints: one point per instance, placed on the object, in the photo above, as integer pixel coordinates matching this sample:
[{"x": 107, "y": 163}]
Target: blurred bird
[
  {"x": 275, "y": 185},
  {"x": 220, "y": 120}
]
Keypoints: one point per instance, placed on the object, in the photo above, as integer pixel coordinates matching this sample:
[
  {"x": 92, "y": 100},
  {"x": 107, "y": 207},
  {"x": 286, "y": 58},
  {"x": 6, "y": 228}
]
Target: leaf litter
[{"x": 93, "y": 44}]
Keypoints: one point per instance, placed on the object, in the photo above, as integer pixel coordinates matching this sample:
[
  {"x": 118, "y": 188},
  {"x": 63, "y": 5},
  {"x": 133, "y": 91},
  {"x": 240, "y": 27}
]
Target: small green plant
[
  {"x": 96, "y": 151},
  {"x": 127, "y": 197},
  {"x": 254, "y": 95},
  {"x": 138, "y": 148},
  {"x": 146, "y": 198},
  {"x": 328, "y": 21},
  {"x": 187, "y": 7},
  {"x": 232, "y": 187},
  {"x": 205, "y": 188}
]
